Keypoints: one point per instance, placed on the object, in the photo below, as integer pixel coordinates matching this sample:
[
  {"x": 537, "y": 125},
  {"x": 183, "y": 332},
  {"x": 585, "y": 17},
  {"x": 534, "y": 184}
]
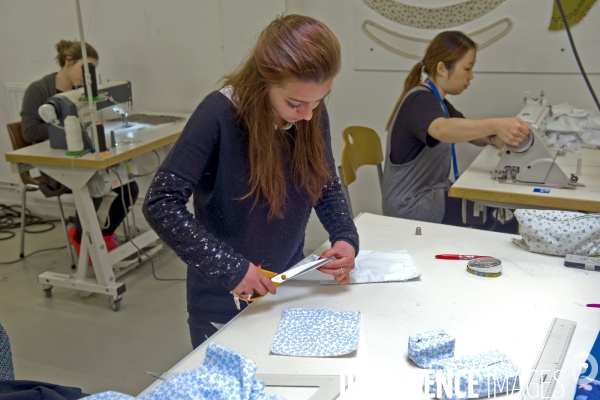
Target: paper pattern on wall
[
  {"x": 414, "y": 47},
  {"x": 432, "y": 18},
  {"x": 528, "y": 47},
  {"x": 574, "y": 11}
]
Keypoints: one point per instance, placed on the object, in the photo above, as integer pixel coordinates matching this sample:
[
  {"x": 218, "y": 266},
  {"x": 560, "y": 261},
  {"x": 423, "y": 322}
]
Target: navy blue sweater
[{"x": 210, "y": 161}]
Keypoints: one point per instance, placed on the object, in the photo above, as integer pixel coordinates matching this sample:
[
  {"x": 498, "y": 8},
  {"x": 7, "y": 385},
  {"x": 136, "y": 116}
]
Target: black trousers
[
  {"x": 117, "y": 212},
  {"x": 200, "y": 331}
]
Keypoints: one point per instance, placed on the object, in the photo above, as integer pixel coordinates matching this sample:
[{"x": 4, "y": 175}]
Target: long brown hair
[
  {"x": 447, "y": 47},
  {"x": 72, "y": 49},
  {"x": 292, "y": 48}
]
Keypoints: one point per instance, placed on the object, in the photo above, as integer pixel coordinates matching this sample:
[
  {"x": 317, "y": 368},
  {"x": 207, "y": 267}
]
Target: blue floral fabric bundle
[{"x": 224, "y": 374}]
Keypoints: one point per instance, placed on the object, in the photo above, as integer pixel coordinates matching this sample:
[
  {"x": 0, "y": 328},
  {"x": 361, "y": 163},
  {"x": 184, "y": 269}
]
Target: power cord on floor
[
  {"x": 30, "y": 254},
  {"x": 129, "y": 237},
  {"x": 11, "y": 219}
]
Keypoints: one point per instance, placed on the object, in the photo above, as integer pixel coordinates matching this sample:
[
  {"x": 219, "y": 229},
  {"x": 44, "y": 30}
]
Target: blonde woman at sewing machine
[
  {"x": 423, "y": 126},
  {"x": 70, "y": 76}
]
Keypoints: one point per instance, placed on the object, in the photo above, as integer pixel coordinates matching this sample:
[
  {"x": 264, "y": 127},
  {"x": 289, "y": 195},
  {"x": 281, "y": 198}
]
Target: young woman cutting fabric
[{"x": 256, "y": 155}]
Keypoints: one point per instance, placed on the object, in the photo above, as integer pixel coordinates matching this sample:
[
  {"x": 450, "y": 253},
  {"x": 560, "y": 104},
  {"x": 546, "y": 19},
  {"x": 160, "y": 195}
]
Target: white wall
[{"x": 174, "y": 53}]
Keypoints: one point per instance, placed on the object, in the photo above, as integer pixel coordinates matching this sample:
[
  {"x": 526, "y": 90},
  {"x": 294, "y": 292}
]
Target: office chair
[
  {"x": 31, "y": 184},
  {"x": 362, "y": 146}
]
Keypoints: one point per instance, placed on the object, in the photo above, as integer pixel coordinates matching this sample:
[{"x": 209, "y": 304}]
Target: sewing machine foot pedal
[{"x": 114, "y": 302}]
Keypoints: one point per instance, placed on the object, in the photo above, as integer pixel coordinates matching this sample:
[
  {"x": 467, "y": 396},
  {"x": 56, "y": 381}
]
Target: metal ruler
[{"x": 546, "y": 368}]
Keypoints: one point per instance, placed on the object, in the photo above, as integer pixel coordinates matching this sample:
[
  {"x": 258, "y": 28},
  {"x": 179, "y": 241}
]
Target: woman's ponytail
[{"x": 412, "y": 80}]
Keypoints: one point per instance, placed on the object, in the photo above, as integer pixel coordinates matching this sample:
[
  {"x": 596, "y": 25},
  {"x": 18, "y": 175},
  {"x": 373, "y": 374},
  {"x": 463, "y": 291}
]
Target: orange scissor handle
[{"x": 268, "y": 274}]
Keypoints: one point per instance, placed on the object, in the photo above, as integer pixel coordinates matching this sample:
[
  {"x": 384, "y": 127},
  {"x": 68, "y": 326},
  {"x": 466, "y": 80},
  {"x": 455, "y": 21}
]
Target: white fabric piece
[
  {"x": 572, "y": 128},
  {"x": 383, "y": 266},
  {"x": 371, "y": 266}
]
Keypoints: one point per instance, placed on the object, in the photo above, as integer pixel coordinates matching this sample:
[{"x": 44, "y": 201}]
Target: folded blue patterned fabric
[
  {"x": 427, "y": 349},
  {"x": 315, "y": 332},
  {"x": 6, "y": 365},
  {"x": 491, "y": 373},
  {"x": 224, "y": 374}
]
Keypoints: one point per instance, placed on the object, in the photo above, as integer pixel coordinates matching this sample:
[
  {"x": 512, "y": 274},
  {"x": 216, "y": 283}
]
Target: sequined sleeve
[
  {"x": 332, "y": 208},
  {"x": 165, "y": 204},
  {"x": 166, "y": 212}
]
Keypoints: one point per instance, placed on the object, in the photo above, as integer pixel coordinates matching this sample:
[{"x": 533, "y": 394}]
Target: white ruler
[{"x": 546, "y": 368}]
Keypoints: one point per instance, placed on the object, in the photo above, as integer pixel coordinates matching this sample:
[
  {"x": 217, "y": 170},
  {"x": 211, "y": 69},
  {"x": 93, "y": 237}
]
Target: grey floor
[{"x": 79, "y": 341}]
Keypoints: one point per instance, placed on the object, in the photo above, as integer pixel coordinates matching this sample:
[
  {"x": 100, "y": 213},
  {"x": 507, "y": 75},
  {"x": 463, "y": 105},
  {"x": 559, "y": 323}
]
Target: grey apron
[{"x": 415, "y": 190}]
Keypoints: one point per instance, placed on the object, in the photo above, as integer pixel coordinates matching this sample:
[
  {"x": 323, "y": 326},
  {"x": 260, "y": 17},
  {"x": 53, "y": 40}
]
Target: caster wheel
[
  {"x": 48, "y": 290},
  {"x": 115, "y": 303}
]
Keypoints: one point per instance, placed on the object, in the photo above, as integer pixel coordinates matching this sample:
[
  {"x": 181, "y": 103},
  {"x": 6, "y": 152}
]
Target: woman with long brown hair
[
  {"x": 423, "y": 126},
  {"x": 257, "y": 157}
]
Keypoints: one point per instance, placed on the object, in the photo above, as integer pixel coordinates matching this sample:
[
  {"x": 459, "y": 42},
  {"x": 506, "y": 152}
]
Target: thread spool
[
  {"x": 101, "y": 137},
  {"x": 73, "y": 135}
]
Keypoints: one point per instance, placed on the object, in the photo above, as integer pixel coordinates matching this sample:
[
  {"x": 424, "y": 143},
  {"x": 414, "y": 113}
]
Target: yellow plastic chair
[{"x": 362, "y": 146}]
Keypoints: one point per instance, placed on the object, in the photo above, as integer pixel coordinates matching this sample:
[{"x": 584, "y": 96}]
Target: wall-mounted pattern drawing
[
  {"x": 512, "y": 35},
  {"x": 432, "y": 18},
  {"x": 400, "y": 44}
]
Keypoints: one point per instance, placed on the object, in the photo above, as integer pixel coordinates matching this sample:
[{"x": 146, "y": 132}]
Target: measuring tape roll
[{"x": 486, "y": 267}]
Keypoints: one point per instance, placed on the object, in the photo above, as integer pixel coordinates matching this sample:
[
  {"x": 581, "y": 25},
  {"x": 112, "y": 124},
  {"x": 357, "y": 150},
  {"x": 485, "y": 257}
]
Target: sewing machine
[
  {"x": 116, "y": 94},
  {"x": 532, "y": 162}
]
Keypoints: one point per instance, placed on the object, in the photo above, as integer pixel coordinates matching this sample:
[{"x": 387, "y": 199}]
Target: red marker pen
[{"x": 458, "y": 256}]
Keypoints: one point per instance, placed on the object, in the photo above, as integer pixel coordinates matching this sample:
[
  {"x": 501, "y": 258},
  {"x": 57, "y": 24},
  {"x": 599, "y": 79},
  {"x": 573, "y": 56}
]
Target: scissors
[{"x": 291, "y": 273}]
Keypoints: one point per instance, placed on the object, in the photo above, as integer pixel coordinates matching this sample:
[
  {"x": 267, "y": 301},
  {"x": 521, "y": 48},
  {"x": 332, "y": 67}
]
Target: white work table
[
  {"x": 75, "y": 173},
  {"x": 476, "y": 183},
  {"x": 511, "y": 313}
]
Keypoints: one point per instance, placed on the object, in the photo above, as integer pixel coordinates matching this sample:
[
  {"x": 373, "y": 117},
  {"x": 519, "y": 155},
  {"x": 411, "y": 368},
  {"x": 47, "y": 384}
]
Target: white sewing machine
[
  {"x": 116, "y": 94},
  {"x": 532, "y": 162}
]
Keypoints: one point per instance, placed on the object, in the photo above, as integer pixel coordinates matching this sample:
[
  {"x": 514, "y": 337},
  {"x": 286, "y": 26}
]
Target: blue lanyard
[{"x": 447, "y": 114}]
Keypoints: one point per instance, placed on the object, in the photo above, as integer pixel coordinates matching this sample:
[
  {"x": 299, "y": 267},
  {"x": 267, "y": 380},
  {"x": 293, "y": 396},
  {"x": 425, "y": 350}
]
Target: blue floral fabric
[
  {"x": 427, "y": 349},
  {"x": 6, "y": 364},
  {"x": 494, "y": 372},
  {"x": 558, "y": 233},
  {"x": 224, "y": 375},
  {"x": 316, "y": 333}
]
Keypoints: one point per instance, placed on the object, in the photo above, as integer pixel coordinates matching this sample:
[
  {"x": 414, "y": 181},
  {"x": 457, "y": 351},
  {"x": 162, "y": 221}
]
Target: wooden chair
[
  {"x": 362, "y": 146},
  {"x": 31, "y": 184}
]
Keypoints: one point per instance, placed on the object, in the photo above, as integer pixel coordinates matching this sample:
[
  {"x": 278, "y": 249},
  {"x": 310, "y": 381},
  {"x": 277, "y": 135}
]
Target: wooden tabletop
[
  {"x": 131, "y": 142},
  {"x": 476, "y": 184}
]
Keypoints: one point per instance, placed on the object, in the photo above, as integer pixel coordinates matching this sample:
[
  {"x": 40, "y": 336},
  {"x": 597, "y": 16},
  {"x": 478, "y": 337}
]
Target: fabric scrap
[
  {"x": 308, "y": 332},
  {"x": 492, "y": 373},
  {"x": 428, "y": 349},
  {"x": 224, "y": 374}
]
